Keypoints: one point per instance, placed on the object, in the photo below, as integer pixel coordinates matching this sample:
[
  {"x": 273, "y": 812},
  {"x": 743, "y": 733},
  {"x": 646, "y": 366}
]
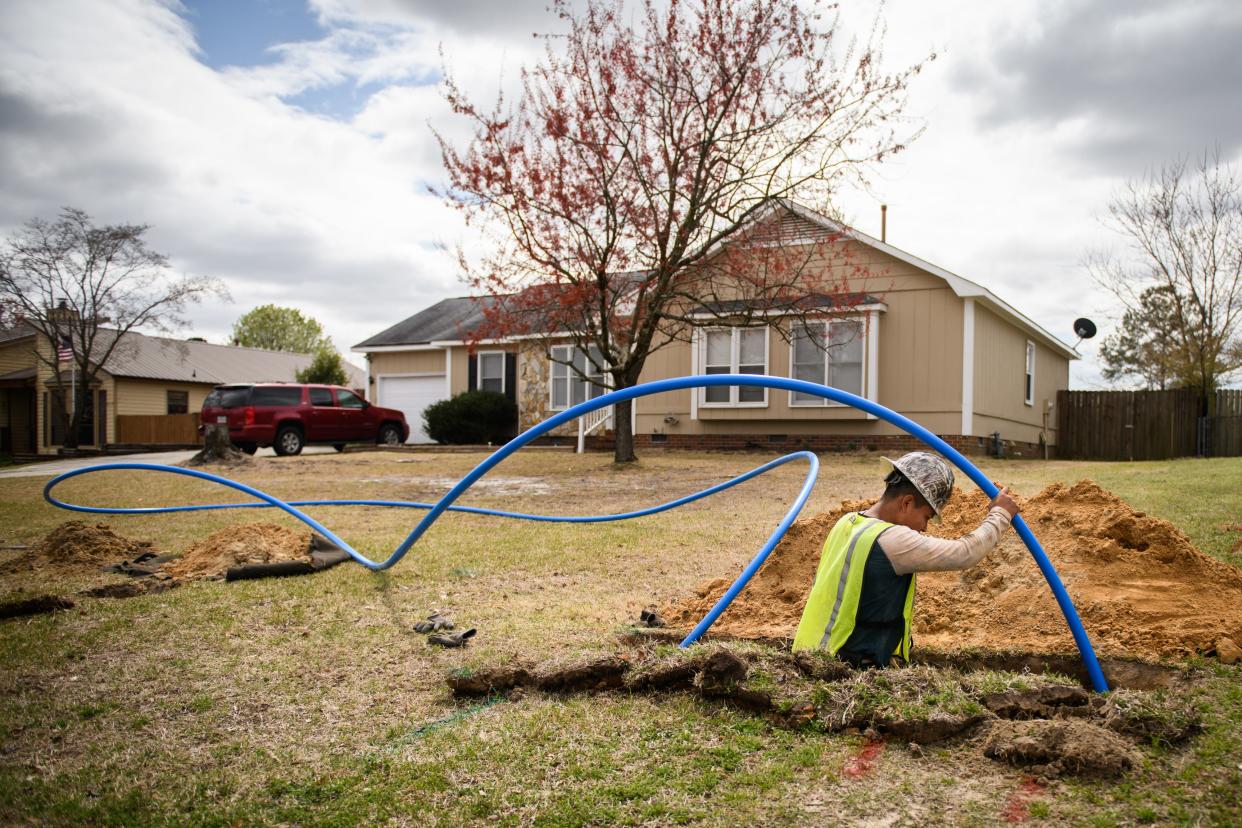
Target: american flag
[{"x": 64, "y": 352}]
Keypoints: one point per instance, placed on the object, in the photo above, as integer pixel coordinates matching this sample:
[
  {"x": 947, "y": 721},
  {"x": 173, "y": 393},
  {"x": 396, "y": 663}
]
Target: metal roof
[
  {"x": 153, "y": 357},
  {"x": 140, "y": 356}
]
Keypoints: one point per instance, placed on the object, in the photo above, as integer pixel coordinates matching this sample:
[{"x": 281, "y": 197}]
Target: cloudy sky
[{"x": 284, "y": 145}]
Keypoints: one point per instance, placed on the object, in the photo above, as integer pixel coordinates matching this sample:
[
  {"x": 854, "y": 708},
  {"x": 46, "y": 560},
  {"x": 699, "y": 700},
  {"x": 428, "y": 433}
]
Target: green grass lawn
[{"x": 311, "y": 701}]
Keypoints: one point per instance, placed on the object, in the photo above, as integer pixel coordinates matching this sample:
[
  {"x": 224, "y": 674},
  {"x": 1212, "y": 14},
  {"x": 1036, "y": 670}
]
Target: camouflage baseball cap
[{"x": 930, "y": 475}]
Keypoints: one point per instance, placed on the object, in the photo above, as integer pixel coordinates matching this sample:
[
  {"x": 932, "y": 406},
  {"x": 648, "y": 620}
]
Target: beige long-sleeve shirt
[{"x": 910, "y": 551}]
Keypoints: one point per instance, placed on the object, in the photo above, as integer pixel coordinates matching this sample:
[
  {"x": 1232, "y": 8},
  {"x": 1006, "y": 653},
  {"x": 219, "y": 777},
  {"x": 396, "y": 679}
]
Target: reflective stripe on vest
[{"x": 832, "y": 607}]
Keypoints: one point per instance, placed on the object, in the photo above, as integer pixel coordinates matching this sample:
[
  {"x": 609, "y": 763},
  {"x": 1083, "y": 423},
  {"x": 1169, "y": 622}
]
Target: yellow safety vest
[{"x": 832, "y": 607}]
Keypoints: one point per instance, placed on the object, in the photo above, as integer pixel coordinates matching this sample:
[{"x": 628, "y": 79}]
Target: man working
[{"x": 862, "y": 600}]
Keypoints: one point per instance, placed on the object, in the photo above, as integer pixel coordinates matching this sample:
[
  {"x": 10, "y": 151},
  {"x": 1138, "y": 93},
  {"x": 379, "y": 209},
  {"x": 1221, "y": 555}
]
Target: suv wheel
[
  {"x": 389, "y": 435},
  {"x": 288, "y": 441}
]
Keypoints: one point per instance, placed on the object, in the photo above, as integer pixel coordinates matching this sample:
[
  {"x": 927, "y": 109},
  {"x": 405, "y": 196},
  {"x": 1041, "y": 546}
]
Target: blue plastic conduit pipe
[{"x": 755, "y": 380}]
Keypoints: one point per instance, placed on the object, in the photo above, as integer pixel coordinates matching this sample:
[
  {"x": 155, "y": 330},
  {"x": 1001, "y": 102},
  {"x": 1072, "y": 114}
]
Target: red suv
[{"x": 290, "y": 415}]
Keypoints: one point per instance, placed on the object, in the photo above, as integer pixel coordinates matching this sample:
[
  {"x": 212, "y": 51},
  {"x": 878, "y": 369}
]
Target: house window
[
  {"x": 828, "y": 353},
  {"x": 734, "y": 351},
  {"x": 178, "y": 402},
  {"x": 492, "y": 371},
  {"x": 568, "y": 386},
  {"x": 1029, "y": 386}
]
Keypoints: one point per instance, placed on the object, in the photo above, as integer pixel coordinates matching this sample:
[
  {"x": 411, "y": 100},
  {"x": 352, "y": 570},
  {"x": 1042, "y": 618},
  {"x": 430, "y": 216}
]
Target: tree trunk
[
  {"x": 69, "y": 423},
  {"x": 217, "y": 448},
  {"x": 80, "y": 390},
  {"x": 623, "y": 448}
]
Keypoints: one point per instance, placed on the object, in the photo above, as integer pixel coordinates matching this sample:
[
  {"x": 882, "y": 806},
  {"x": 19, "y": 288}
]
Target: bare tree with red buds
[{"x": 631, "y": 191}]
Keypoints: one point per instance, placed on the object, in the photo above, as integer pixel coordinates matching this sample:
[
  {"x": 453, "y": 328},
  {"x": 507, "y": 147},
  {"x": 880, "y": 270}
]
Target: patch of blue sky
[
  {"x": 341, "y": 101},
  {"x": 242, "y": 32}
]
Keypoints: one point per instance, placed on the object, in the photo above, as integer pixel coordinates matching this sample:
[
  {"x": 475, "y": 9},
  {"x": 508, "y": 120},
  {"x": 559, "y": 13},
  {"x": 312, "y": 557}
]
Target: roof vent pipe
[{"x": 884, "y": 222}]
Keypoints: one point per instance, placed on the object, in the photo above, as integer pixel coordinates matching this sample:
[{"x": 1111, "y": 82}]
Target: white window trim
[
  {"x": 968, "y": 368},
  {"x": 573, "y": 376},
  {"x": 1028, "y": 369},
  {"x": 873, "y": 358},
  {"x": 478, "y": 369},
  {"x": 868, "y": 380},
  {"x": 695, "y": 370},
  {"x": 734, "y": 361}
]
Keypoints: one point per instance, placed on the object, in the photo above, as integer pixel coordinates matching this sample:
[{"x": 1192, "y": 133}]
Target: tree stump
[{"x": 217, "y": 448}]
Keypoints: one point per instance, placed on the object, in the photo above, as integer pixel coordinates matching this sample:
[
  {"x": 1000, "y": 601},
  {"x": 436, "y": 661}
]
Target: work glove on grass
[
  {"x": 455, "y": 639},
  {"x": 648, "y": 618},
  {"x": 434, "y": 622}
]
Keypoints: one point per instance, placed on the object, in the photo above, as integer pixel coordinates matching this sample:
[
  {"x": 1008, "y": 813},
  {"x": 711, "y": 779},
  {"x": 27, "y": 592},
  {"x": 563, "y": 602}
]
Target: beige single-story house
[
  {"x": 934, "y": 346},
  {"x": 149, "y": 392}
]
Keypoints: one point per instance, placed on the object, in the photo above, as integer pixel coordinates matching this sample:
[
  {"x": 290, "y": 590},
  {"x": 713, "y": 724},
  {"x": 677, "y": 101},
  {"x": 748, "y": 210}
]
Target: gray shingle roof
[{"x": 450, "y": 319}]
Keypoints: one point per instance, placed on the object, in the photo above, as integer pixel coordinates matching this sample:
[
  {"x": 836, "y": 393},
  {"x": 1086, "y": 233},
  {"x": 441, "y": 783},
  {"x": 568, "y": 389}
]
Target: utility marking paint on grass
[
  {"x": 1017, "y": 807},
  {"x": 863, "y": 762},
  {"x": 436, "y": 724}
]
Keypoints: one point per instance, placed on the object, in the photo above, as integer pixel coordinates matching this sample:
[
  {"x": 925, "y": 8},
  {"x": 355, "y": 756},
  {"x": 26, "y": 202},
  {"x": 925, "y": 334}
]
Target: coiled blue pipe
[{"x": 1090, "y": 662}]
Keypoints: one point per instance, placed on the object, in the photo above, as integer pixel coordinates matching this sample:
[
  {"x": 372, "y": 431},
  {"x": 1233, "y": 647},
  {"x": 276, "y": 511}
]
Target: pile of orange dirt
[
  {"x": 239, "y": 545},
  {"x": 78, "y": 546},
  {"x": 1141, "y": 588}
]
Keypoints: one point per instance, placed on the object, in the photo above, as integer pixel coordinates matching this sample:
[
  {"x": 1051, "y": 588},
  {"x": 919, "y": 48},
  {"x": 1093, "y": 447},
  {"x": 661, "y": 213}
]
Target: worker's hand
[{"x": 1006, "y": 502}]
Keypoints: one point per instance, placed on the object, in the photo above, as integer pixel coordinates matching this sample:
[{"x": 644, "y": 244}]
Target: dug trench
[
  {"x": 113, "y": 566},
  {"x": 994, "y": 662},
  {"x": 1141, "y": 588},
  {"x": 1045, "y": 723}
]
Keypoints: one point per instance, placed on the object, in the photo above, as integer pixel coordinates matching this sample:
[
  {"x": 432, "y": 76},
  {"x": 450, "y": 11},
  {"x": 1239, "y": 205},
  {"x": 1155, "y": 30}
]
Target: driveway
[{"x": 52, "y": 468}]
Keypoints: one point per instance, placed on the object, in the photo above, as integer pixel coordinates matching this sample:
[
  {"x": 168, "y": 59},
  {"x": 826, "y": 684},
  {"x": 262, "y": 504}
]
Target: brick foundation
[{"x": 826, "y": 443}]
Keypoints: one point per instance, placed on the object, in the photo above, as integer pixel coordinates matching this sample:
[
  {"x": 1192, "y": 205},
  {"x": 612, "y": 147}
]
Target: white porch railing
[{"x": 590, "y": 422}]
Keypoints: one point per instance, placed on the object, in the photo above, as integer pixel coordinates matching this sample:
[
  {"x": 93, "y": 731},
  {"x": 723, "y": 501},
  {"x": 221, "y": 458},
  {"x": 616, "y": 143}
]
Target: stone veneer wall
[{"x": 534, "y": 377}]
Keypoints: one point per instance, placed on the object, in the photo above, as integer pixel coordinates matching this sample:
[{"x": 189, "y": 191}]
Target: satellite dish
[{"x": 1085, "y": 329}]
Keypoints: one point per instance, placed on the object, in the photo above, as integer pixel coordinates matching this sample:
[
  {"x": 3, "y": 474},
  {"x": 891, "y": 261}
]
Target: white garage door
[{"x": 411, "y": 395}]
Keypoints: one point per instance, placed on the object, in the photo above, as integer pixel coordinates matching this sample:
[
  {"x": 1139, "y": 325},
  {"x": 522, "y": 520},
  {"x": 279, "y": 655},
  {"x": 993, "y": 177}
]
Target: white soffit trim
[
  {"x": 968, "y": 368},
  {"x": 694, "y": 371},
  {"x": 437, "y": 344},
  {"x": 809, "y": 312},
  {"x": 964, "y": 288},
  {"x": 393, "y": 349}
]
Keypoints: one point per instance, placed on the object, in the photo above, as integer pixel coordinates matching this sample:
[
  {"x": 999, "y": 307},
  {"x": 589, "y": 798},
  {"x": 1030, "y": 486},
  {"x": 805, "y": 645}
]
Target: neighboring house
[
  {"x": 943, "y": 350},
  {"x": 149, "y": 392}
]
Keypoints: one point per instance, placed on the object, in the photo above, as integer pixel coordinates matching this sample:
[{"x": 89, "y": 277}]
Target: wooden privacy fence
[
  {"x": 1147, "y": 425},
  {"x": 1222, "y": 433},
  {"x": 157, "y": 429}
]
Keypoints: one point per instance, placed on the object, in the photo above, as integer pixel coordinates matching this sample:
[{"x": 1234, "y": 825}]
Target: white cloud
[
  {"x": 108, "y": 107},
  {"x": 119, "y": 118},
  {"x": 513, "y": 19}
]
